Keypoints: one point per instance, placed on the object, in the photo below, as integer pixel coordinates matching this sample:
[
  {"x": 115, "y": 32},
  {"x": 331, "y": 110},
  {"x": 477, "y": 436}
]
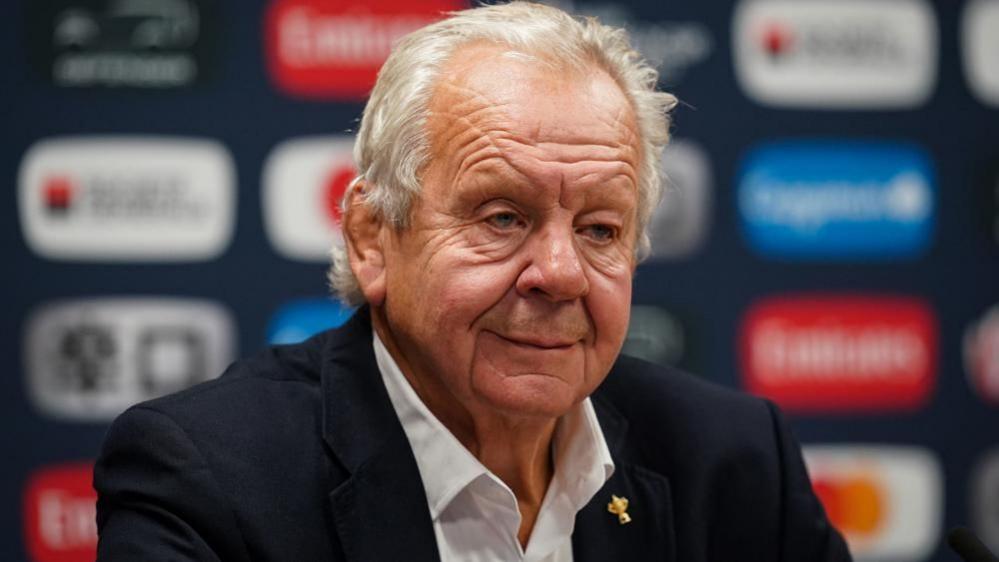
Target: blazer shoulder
[
  {"x": 223, "y": 463},
  {"x": 265, "y": 406},
  {"x": 655, "y": 390},
  {"x": 666, "y": 408},
  {"x": 270, "y": 378}
]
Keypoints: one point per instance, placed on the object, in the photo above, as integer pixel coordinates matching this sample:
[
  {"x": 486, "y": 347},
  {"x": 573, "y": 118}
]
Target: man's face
[{"x": 509, "y": 291}]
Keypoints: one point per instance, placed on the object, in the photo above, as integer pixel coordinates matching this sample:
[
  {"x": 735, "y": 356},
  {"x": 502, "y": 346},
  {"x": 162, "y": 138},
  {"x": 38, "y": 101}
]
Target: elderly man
[{"x": 476, "y": 407}]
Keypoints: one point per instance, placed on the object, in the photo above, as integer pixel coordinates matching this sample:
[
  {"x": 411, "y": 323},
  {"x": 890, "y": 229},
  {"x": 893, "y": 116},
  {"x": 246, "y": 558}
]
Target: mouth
[{"x": 537, "y": 342}]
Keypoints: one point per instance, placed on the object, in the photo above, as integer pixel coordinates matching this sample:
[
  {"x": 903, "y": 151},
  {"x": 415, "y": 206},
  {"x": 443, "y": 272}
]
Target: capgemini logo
[{"x": 822, "y": 200}]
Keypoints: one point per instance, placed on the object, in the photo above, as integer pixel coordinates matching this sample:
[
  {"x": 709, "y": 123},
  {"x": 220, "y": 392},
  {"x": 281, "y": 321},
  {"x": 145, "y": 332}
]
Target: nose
[{"x": 555, "y": 268}]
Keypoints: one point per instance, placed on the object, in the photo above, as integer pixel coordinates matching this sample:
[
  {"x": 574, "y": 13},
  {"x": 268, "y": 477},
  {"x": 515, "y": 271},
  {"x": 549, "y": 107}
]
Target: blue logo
[
  {"x": 815, "y": 200},
  {"x": 300, "y": 319}
]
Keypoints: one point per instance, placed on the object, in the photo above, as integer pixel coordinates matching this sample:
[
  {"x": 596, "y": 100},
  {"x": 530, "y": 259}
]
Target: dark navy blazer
[{"x": 297, "y": 454}]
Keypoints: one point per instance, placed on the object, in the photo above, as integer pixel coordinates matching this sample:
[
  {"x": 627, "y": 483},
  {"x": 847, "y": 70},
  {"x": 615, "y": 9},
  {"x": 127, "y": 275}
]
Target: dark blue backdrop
[{"x": 709, "y": 290}]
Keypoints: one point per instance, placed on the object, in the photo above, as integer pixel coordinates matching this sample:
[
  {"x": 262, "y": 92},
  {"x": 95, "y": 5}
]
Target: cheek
[
  {"x": 451, "y": 304},
  {"x": 614, "y": 264},
  {"x": 609, "y": 304}
]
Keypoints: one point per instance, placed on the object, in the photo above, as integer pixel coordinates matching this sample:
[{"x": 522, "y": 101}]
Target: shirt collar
[{"x": 582, "y": 460}]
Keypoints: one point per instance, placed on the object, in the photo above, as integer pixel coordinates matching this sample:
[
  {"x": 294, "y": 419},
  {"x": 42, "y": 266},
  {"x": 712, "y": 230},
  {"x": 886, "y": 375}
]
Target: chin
[{"x": 527, "y": 395}]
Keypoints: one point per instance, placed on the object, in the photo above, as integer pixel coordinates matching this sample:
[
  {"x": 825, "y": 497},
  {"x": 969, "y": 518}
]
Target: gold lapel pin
[{"x": 619, "y": 506}]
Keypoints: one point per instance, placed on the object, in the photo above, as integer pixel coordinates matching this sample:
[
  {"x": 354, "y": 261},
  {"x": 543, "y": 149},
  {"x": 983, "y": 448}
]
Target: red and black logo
[{"x": 58, "y": 193}]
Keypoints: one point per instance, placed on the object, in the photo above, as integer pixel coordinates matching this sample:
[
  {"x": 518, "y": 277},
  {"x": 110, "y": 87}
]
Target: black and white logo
[
  {"x": 90, "y": 359},
  {"x": 121, "y": 43}
]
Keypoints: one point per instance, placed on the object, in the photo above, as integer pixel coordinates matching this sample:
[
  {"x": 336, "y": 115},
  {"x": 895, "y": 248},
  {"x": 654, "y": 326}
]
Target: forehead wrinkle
[
  {"x": 601, "y": 160},
  {"x": 522, "y": 162},
  {"x": 492, "y": 121},
  {"x": 459, "y": 127},
  {"x": 613, "y": 191},
  {"x": 607, "y": 179},
  {"x": 612, "y": 187},
  {"x": 585, "y": 152},
  {"x": 532, "y": 130},
  {"x": 471, "y": 125}
]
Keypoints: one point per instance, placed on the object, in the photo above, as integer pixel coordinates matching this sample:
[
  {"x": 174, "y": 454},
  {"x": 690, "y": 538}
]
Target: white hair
[{"x": 393, "y": 145}]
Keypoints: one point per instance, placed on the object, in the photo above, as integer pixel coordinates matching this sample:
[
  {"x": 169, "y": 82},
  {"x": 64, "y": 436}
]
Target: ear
[{"x": 362, "y": 230}]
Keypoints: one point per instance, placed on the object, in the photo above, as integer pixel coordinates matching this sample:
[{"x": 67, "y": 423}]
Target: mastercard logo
[
  {"x": 856, "y": 505},
  {"x": 887, "y": 501}
]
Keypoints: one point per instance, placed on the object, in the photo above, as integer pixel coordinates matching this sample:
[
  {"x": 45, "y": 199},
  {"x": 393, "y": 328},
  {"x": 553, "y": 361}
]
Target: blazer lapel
[
  {"x": 380, "y": 511},
  {"x": 599, "y": 534}
]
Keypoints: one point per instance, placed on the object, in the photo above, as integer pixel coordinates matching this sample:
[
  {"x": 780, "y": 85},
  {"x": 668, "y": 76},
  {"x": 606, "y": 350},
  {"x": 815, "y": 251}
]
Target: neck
[
  {"x": 517, "y": 449},
  {"x": 521, "y": 458}
]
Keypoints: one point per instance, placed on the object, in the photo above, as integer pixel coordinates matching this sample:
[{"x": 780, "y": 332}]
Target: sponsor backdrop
[{"x": 830, "y": 237}]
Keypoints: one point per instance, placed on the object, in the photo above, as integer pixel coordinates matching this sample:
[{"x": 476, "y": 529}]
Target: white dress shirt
[{"x": 474, "y": 513}]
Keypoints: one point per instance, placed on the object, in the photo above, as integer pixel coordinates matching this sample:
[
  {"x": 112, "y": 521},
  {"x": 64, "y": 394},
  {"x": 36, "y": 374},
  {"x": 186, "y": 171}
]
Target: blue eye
[
  {"x": 600, "y": 232},
  {"x": 503, "y": 220}
]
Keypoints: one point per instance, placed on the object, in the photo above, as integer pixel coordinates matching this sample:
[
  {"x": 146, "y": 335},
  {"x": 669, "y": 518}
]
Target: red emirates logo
[
  {"x": 60, "y": 509},
  {"x": 840, "y": 353},
  {"x": 332, "y": 49}
]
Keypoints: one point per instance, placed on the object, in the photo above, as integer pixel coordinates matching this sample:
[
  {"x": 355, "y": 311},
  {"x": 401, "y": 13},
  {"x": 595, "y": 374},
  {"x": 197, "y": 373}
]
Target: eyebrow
[{"x": 618, "y": 190}]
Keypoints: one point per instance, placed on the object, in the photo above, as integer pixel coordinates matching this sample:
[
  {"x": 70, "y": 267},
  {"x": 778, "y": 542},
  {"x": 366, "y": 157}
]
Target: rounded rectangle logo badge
[
  {"x": 90, "y": 359},
  {"x": 979, "y": 45},
  {"x": 837, "y": 200},
  {"x": 127, "y": 198},
  {"x": 840, "y": 353},
  {"x": 300, "y": 319},
  {"x": 333, "y": 49},
  {"x": 886, "y": 500},
  {"x": 680, "y": 224},
  {"x": 304, "y": 181},
  {"x": 836, "y": 54},
  {"x": 981, "y": 356},
  {"x": 60, "y": 513},
  {"x": 123, "y": 43}
]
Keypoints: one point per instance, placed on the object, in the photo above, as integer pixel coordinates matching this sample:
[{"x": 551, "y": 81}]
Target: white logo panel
[
  {"x": 887, "y": 500},
  {"x": 89, "y": 359},
  {"x": 127, "y": 198},
  {"x": 844, "y": 54},
  {"x": 679, "y": 225},
  {"x": 980, "y": 48},
  {"x": 304, "y": 182}
]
